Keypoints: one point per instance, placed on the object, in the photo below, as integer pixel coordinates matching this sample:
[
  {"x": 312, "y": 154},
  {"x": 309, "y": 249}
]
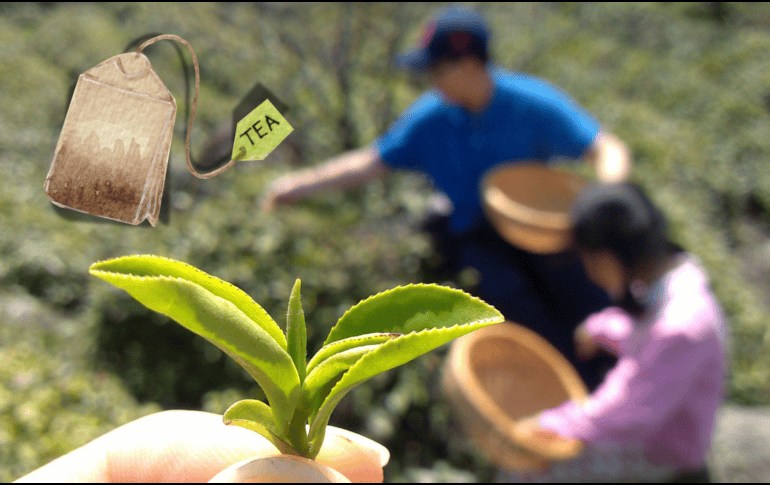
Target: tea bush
[
  {"x": 52, "y": 398},
  {"x": 687, "y": 86}
]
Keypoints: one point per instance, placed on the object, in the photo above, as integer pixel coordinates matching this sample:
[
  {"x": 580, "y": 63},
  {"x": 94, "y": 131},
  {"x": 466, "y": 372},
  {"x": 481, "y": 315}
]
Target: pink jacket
[{"x": 669, "y": 380}]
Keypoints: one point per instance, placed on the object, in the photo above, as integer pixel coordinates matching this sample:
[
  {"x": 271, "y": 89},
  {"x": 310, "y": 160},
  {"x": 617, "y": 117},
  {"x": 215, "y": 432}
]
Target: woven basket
[
  {"x": 498, "y": 375},
  {"x": 528, "y": 204}
]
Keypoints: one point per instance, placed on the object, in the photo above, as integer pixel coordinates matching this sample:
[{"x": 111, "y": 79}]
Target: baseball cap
[{"x": 452, "y": 32}]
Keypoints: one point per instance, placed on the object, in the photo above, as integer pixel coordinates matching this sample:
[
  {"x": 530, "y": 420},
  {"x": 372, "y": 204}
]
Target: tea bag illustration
[{"x": 112, "y": 154}]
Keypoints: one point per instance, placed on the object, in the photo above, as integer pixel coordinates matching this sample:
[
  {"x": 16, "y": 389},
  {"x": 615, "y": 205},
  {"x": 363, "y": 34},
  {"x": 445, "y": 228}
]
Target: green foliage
[
  {"x": 417, "y": 318},
  {"x": 426, "y": 316},
  {"x": 685, "y": 85},
  {"x": 54, "y": 404},
  {"x": 210, "y": 308}
]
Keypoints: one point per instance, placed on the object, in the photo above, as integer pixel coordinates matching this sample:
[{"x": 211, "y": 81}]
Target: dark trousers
[
  {"x": 549, "y": 294},
  {"x": 696, "y": 476}
]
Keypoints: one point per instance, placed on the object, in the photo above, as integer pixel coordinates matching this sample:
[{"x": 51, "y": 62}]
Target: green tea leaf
[
  {"x": 411, "y": 308},
  {"x": 150, "y": 265},
  {"x": 257, "y": 416},
  {"x": 296, "y": 334},
  {"x": 430, "y": 315},
  {"x": 216, "y": 319},
  {"x": 348, "y": 343},
  {"x": 325, "y": 375}
]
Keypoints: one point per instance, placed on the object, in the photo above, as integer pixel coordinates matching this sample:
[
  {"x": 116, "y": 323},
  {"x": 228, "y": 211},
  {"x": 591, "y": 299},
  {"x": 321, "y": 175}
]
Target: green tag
[{"x": 259, "y": 132}]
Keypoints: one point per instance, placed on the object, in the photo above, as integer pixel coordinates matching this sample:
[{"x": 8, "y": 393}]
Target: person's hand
[
  {"x": 585, "y": 347},
  {"x": 280, "y": 192},
  {"x": 193, "y": 446},
  {"x": 531, "y": 427},
  {"x": 547, "y": 444},
  {"x": 610, "y": 157}
]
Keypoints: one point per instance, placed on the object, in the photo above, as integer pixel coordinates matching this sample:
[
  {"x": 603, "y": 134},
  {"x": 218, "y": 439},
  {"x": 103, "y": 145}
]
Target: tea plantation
[{"x": 687, "y": 86}]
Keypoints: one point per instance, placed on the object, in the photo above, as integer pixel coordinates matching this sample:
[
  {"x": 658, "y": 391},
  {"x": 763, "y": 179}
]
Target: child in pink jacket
[{"x": 653, "y": 416}]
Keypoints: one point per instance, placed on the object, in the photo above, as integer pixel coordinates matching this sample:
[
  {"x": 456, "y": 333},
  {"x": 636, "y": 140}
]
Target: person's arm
[
  {"x": 609, "y": 328},
  {"x": 635, "y": 397},
  {"x": 610, "y": 157},
  {"x": 348, "y": 170}
]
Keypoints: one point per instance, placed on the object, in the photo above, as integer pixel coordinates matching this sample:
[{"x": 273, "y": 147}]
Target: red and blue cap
[{"x": 451, "y": 34}]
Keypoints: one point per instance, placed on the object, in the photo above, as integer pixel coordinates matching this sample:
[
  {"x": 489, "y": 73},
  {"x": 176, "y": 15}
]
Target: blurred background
[{"x": 686, "y": 86}]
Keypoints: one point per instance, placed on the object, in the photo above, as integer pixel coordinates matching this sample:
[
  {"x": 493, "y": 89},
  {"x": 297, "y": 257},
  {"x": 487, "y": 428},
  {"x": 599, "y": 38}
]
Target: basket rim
[
  {"x": 479, "y": 399},
  {"x": 506, "y": 207},
  {"x": 538, "y": 240}
]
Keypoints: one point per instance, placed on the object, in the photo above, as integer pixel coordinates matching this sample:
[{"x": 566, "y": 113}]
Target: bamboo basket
[
  {"x": 528, "y": 204},
  {"x": 498, "y": 375}
]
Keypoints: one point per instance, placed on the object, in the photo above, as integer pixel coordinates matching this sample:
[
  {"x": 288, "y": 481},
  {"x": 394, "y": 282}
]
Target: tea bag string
[{"x": 194, "y": 105}]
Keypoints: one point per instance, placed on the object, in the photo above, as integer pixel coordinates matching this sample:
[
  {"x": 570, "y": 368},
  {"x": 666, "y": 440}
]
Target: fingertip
[
  {"x": 377, "y": 449},
  {"x": 355, "y": 456}
]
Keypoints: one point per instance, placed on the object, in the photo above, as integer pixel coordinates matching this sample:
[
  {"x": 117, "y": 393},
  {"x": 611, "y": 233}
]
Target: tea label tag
[{"x": 260, "y": 132}]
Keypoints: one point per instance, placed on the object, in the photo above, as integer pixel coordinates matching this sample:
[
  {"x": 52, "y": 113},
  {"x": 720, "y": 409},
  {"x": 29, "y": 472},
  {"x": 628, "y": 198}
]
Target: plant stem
[{"x": 297, "y": 437}]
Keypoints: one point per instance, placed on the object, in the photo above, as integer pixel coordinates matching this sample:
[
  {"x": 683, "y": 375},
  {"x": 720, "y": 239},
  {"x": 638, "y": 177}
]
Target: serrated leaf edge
[
  {"x": 315, "y": 432},
  {"x": 391, "y": 342},
  {"x": 93, "y": 270},
  {"x": 400, "y": 287},
  {"x": 386, "y": 336},
  {"x": 292, "y": 399}
]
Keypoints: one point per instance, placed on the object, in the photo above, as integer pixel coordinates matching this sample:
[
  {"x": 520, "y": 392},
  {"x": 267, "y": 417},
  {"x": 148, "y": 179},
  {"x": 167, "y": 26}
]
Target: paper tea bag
[
  {"x": 111, "y": 157},
  {"x": 112, "y": 154}
]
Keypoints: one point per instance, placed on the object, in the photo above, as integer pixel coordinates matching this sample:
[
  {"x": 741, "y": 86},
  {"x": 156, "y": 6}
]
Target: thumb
[
  {"x": 344, "y": 457},
  {"x": 355, "y": 456}
]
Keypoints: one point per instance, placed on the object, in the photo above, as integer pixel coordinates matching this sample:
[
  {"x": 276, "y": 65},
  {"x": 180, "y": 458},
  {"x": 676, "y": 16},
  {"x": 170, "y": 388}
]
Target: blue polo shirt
[{"x": 528, "y": 119}]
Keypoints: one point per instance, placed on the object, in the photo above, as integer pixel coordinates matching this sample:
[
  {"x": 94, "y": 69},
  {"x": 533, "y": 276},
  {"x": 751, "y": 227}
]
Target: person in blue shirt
[{"x": 476, "y": 116}]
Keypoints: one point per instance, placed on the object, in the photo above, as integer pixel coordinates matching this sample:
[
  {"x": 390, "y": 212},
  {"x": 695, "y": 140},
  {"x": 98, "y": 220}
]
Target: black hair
[{"x": 621, "y": 219}]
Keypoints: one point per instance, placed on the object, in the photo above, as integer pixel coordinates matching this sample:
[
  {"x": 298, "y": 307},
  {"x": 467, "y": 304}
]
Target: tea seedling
[{"x": 376, "y": 335}]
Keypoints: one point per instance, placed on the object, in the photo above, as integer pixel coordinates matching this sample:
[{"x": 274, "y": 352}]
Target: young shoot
[{"x": 376, "y": 335}]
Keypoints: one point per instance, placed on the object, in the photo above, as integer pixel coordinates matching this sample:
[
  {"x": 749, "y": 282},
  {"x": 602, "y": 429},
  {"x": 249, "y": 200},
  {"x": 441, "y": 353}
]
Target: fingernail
[{"x": 279, "y": 469}]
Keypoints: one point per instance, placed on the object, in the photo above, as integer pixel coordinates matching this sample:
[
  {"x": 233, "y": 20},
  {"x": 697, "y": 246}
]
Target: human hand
[
  {"x": 610, "y": 157},
  {"x": 531, "y": 427},
  {"x": 585, "y": 347},
  {"x": 281, "y": 191},
  {"x": 272, "y": 198},
  {"x": 544, "y": 442},
  {"x": 193, "y": 446}
]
